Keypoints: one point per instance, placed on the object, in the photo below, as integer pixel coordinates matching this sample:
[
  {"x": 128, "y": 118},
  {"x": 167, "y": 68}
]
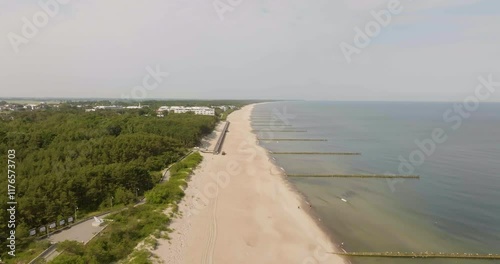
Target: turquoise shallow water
[{"x": 454, "y": 207}]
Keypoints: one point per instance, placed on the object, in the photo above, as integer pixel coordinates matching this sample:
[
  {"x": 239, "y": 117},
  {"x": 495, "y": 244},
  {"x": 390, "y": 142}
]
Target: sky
[{"x": 428, "y": 50}]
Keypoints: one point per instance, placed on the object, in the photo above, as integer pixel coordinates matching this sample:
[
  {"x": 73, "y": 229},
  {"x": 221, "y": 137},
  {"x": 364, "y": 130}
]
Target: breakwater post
[
  {"x": 314, "y": 153},
  {"x": 354, "y": 176},
  {"x": 292, "y": 139},
  {"x": 418, "y": 255},
  {"x": 272, "y": 125},
  {"x": 268, "y": 130}
]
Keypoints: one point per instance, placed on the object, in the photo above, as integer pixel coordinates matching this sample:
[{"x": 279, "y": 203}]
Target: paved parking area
[{"x": 82, "y": 232}]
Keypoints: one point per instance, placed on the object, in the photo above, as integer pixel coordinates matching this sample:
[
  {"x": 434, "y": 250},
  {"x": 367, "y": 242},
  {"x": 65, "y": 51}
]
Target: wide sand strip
[{"x": 239, "y": 209}]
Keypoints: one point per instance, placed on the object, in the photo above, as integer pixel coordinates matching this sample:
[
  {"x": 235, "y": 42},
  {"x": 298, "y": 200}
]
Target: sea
[{"x": 454, "y": 207}]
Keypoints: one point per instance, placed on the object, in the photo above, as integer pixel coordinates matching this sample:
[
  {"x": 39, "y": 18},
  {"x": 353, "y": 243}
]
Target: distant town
[{"x": 161, "y": 111}]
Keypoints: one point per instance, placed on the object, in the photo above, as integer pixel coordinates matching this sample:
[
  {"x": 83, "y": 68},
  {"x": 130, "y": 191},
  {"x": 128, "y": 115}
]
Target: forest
[
  {"x": 147, "y": 222},
  {"x": 68, "y": 160}
]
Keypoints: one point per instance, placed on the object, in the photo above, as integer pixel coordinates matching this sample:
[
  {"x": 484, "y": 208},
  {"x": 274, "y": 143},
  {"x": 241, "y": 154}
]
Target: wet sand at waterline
[{"x": 240, "y": 209}]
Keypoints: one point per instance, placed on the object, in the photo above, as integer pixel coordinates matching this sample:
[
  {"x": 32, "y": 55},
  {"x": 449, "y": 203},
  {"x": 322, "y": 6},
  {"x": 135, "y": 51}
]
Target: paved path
[{"x": 82, "y": 232}]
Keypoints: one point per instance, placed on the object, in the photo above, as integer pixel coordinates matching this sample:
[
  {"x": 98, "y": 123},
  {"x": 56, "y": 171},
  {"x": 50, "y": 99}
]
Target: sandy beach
[{"x": 239, "y": 209}]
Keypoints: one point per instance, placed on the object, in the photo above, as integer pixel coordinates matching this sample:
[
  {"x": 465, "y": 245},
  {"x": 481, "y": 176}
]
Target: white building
[
  {"x": 136, "y": 107},
  {"x": 108, "y": 107},
  {"x": 163, "y": 109},
  {"x": 31, "y": 107},
  {"x": 198, "y": 110},
  {"x": 223, "y": 108}
]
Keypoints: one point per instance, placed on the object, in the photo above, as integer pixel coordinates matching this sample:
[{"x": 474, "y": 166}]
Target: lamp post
[{"x": 76, "y": 209}]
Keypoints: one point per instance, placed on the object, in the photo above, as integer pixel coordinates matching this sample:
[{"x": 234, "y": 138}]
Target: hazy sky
[{"x": 286, "y": 49}]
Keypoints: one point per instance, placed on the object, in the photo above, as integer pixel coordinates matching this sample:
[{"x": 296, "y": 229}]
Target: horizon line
[{"x": 201, "y": 99}]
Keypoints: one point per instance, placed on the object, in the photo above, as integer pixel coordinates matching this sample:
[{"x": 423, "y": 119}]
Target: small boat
[{"x": 343, "y": 200}]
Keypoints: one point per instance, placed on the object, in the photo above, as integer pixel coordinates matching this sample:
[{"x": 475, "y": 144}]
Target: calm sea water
[{"x": 454, "y": 206}]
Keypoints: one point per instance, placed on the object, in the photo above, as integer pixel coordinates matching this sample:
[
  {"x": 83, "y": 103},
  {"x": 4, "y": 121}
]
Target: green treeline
[
  {"x": 170, "y": 192},
  {"x": 134, "y": 224},
  {"x": 67, "y": 158}
]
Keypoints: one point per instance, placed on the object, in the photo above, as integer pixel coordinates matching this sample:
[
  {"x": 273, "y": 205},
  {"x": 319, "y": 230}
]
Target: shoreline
[
  {"x": 305, "y": 203},
  {"x": 237, "y": 211}
]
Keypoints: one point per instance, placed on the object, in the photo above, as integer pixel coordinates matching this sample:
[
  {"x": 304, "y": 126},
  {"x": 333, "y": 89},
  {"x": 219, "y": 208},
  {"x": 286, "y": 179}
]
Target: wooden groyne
[
  {"x": 218, "y": 146},
  {"x": 281, "y": 131},
  {"x": 354, "y": 176},
  {"x": 270, "y": 122},
  {"x": 292, "y": 139},
  {"x": 314, "y": 153},
  {"x": 418, "y": 255},
  {"x": 272, "y": 125},
  {"x": 267, "y": 119}
]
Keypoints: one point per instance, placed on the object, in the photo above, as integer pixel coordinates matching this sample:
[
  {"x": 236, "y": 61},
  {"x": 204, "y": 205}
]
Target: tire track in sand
[{"x": 212, "y": 235}]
